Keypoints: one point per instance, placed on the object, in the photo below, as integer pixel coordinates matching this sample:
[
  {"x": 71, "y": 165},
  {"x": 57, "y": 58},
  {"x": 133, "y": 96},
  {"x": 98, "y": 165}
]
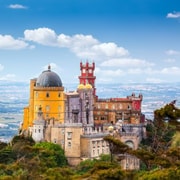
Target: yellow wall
[
  {"x": 31, "y": 102},
  {"x": 26, "y": 117},
  {"x": 52, "y": 106},
  {"x": 51, "y": 101}
]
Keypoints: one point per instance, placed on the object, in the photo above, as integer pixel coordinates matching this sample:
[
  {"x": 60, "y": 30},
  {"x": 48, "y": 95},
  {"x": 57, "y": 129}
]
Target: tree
[
  {"x": 51, "y": 154},
  {"x": 161, "y": 131},
  {"x": 155, "y": 149},
  {"x": 116, "y": 146}
]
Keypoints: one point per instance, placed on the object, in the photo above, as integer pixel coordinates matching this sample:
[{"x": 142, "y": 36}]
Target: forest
[{"x": 159, "y": 154}]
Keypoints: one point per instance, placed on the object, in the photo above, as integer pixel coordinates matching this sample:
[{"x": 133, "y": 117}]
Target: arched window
[
  {"x": 130, "y": 144},
  {"x": 47, "y": 94},
  {"x": 59, "y": 94}
]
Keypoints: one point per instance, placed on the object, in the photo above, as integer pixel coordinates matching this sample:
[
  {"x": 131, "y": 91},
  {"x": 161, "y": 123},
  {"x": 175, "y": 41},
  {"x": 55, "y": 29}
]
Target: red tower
[{"x": 87, "y": 75}]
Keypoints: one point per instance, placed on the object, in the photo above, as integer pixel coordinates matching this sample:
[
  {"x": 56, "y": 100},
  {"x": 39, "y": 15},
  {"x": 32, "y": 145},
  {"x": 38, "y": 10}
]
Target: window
[
  {"x": 120, "y": 106},
  {"x": 47, "y": 94},
  {"x": 69, "y": 144},
  {"x": 98, "y": 151},
  {"x": 129, "y": 107},
  {"x": 106, "y": 106},
  {"x": 93, "y": 143},
  {"x": 59, "y": 94},
  {"x": 130, "y": 144},
  {"x": 47, "y": 108},
  {"x": 39, "y": 130},
  {"x": 103, "y": 118},
  {"x": 59, "y": 108},
  {"x": 69, "y": 135},
  {"x": 98, "y": 143}
]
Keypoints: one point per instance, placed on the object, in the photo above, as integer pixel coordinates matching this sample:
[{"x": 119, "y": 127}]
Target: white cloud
[
  {"x": 42, "y": 36},
  {"x": 8, "y": 42},
  {"x": 110, "y": 50},
  {"x": 135, "y": 71},
  {"x": 171, "y": 71},
  {"x": 17, "y": 6},
  {"x": 84, "y": 46},
  {"x": 110, "y": 73},
  {"x": 8, "y": 77},
  {"x": 172, "y": 52},
  {"x": 126, "y": 62},
  {"x": 173, "y": 15}
]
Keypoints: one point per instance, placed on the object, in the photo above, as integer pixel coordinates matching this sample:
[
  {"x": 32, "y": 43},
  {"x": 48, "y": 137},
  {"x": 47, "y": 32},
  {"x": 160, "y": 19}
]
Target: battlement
[{"x": 87, "y": 65}]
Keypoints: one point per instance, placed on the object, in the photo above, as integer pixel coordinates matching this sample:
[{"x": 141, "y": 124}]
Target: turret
[{"x": 87, "y": 75}]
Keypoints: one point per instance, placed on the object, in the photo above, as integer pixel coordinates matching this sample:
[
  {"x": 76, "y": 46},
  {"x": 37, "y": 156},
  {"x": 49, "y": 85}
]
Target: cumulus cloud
[
  {"x": 17, "y": 6},
  {"x": 42, "y": 36},
  {"x": 173, "y": 15},
  {"x": 84, "y": 46},
  {"x": 172, "y": 52},
  {"x": 126, "y": 62},
  {"x": 8, "y": 42}
]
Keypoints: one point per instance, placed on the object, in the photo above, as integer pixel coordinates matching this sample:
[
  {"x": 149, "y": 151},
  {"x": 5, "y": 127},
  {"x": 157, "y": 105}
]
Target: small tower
[
  {"x": 87, "y": 75},
  {"x": 38, "y": 126}
]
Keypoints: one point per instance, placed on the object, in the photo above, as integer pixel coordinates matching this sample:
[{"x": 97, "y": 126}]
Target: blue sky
[{"x": 129, "y": 40}]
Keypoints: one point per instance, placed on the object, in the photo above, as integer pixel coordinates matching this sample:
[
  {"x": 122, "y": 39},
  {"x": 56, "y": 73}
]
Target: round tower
[{"x": 46, "y": 92}]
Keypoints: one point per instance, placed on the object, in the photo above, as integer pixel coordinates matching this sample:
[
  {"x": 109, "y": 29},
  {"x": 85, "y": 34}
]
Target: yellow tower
[{"x": 47, "y": 93}]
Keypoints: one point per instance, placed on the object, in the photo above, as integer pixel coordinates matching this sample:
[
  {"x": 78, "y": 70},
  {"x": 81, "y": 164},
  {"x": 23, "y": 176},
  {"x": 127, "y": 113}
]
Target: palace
[{"x": 79, "y": 120}]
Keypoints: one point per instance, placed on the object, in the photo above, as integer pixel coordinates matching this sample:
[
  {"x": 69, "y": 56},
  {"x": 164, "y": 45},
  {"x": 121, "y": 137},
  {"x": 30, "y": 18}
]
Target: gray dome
[{"x": 48, "y": 79}]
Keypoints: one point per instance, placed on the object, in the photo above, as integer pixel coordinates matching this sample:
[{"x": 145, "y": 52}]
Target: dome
[
  {"x": 48, "y": 79},
  {"x": 110, "y": 128},
  {"x": 81, "y": 86},
  {"x": 88, "y": 86}
]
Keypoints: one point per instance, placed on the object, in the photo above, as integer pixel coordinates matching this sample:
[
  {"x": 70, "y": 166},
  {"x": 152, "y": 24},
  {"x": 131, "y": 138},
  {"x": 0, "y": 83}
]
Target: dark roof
[{"x": 48, "y": 79}]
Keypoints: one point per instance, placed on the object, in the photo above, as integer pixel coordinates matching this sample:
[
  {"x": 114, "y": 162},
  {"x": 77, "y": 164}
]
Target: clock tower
[{"x": 87, "y": 75}]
